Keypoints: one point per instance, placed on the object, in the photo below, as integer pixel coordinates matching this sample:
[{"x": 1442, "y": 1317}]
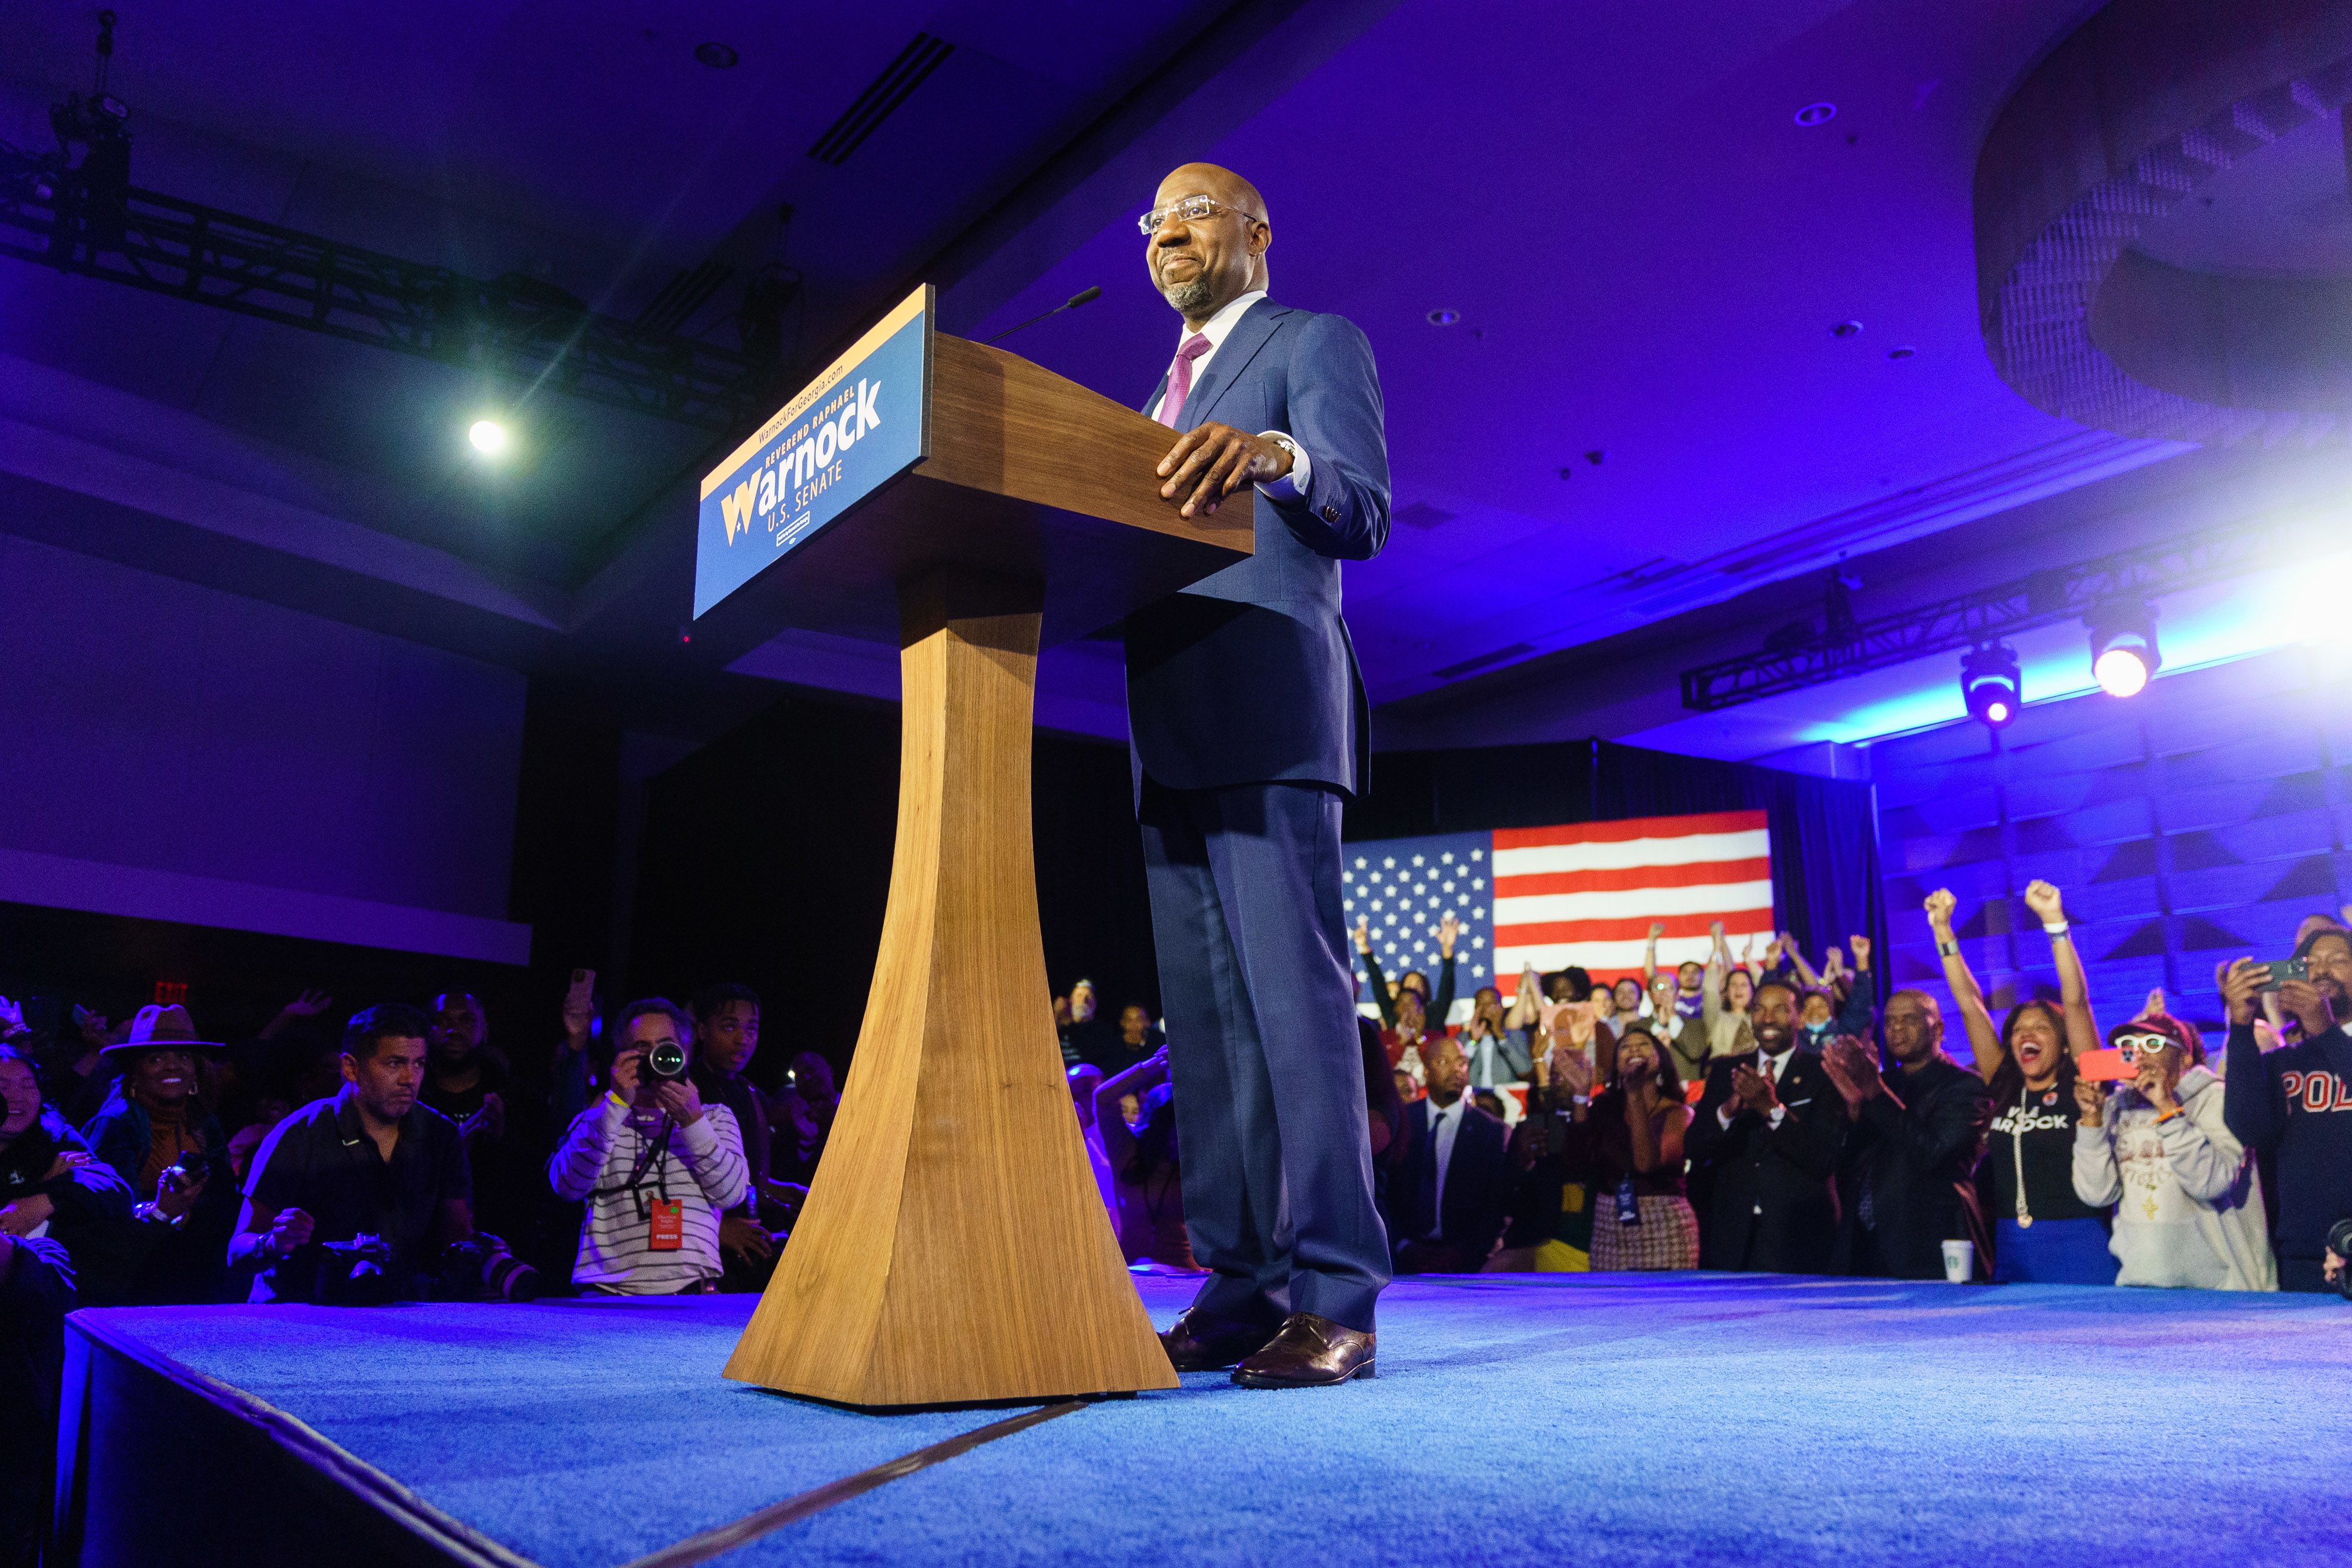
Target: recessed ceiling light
[
  {"x": 1901, "y": 352},
  {"x": 722, "y": 56},
  {"x": 488, "y": 437},
  {"x": 1443, "y": 317},
  {"x": 1817, "y": 114},
  {"x": 1846, "y": 329}
]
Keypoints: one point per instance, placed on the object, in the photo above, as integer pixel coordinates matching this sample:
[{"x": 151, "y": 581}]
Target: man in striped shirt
[{"x": 657, "y": 1166}]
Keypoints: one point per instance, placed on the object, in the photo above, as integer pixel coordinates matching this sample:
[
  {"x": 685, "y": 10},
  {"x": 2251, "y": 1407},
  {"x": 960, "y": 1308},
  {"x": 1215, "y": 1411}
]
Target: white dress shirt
[
  {"x": 1445, "y": 1126},
  {"x": 1217, "y": 328}
]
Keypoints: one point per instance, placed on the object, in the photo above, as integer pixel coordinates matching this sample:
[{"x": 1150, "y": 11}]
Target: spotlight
[
  {"x": 2124, "y": 656},
  {"x": 1990, "y": 686},
  {"x": 488, "y": 436}
]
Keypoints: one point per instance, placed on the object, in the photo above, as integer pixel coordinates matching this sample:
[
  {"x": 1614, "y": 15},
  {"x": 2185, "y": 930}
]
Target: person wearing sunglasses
[
  {"x": 2189, "y": 1201},
  {"x": 1250, "y": 730},
  {"x": 2042, "y": 1233}
]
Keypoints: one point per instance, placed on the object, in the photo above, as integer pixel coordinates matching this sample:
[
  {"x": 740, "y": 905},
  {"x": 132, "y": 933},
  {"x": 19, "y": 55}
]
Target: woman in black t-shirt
[{"x": 2042, "y": 1233}]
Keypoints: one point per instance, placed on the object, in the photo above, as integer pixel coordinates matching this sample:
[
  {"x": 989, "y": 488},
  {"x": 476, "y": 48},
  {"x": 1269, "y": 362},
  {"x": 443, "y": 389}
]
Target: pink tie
[{"x": 1180, "y": 380}]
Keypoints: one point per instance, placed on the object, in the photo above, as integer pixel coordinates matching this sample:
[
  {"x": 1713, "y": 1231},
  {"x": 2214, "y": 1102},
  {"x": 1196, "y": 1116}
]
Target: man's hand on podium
[{"x": 1212, "y": 460}]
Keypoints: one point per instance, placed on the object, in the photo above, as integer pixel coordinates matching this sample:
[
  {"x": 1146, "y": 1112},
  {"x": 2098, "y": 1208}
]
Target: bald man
[
  {"x": 1906, "y": 1171},
  {"x": 1249, "y": 729}
]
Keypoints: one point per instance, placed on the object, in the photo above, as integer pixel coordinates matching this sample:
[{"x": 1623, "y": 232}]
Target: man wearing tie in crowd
[
  {"x": 1767, "y": 1132},
  {"x": 1249, "y": 727}
]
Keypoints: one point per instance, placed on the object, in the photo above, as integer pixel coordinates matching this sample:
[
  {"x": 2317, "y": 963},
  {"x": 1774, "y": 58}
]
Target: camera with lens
[
  {"x": 666, "y": 1059},
  {"x": 354, "y": 1274},
  {"x": 2339, "y": 1241},
  {"x": 479, "y": 1267}
]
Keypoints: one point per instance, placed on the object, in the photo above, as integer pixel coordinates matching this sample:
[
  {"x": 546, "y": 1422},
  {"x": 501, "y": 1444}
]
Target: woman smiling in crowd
[{"x": 2043, "y": 1233}]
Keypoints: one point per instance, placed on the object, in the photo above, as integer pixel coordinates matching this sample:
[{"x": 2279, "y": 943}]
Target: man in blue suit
[{"x": 1249, "y": 727}]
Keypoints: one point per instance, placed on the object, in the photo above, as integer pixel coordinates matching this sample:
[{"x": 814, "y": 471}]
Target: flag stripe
[
  {"x": 1630, "y": 827},
  {"x": 1709, "y": 900},
  {"x": 1758, "y": 868},
  {"x": 1583, "y": 895},
  {"x": 1602, "y": 960},
  {"x": 1622, "y": 854},
  {"x": 1637, "y": 927}
]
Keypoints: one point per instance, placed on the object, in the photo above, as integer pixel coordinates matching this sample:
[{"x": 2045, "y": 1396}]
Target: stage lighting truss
[
  {"x": 83, "y": 218},
  {"x": 1989, "y": 684},
  {"x": 2124, "y": 654},
  {"x": 2133, "y": 577}
]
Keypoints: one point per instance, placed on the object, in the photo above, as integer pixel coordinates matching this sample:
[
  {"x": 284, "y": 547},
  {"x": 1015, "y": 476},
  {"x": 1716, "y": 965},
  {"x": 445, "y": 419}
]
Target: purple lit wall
[
  {"x": 176, "y": 753},
  {"x": 2199, "y": 820}
]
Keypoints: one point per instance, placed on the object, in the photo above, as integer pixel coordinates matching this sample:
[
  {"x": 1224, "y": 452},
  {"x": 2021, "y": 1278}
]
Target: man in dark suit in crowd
[
  {"x": 1249, "y": 727},
  {"x": 1765, "y": 1135},
  {"x": 1455, "y": 1191},
  {"x": 1907, "y": 1177}
]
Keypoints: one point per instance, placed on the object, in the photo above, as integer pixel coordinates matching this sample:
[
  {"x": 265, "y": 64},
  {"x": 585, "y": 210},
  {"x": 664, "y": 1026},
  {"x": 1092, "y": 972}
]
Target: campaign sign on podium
[{"x": 850, "y": 430}]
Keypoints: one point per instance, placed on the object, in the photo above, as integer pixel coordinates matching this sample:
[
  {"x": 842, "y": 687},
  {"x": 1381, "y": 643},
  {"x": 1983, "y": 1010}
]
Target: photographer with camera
[
  {"x": 656, "y": 1165},
  {"x": 352, "y": 1196},
  {"x": 2291, "y": 1103}
]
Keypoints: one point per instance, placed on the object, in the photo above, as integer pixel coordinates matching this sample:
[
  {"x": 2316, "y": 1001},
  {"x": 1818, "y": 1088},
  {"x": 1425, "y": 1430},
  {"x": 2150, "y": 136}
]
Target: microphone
[{"x": 1082, "y": 296}]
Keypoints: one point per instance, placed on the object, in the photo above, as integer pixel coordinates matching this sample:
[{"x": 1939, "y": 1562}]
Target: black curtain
[
  {"x": 766, "y": 860},
  {"x": 1825, "y": 831}
]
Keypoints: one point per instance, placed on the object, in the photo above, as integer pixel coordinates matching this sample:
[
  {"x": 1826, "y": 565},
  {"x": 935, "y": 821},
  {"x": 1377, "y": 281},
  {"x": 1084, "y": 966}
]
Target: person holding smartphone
[
  {"x": 2285, "y": 1103},
  {"x": 2189, "y": 1201}
]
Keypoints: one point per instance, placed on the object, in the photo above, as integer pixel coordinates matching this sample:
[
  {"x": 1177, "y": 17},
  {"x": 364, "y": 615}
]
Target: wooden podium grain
[{"x": 954, "y": 1248}]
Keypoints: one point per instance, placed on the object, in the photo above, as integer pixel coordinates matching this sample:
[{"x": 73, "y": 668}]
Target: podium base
[{"x": 954, "y": 1249}]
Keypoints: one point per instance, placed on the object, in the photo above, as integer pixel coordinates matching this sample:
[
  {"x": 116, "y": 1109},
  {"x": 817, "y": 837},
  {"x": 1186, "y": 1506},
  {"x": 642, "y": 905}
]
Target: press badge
[{"x": 669, "y": 1224}]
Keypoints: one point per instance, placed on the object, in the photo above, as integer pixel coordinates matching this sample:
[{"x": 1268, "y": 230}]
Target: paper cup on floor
[{"x": 1960, "y": 1261}]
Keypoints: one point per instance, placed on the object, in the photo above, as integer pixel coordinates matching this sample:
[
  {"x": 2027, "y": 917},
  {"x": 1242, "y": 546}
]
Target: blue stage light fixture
[
  {"x": 1989, "y": 684},
  {"x": 2124, "y": 656},
  {"x": 488, "y": 437}
]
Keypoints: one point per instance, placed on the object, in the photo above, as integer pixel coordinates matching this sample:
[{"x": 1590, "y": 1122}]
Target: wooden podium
[{"x": 954, "y": 1248}]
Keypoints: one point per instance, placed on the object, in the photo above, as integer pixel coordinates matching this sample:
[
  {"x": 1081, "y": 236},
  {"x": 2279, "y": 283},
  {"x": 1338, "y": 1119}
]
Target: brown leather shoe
[
  {"x": 1199, "y": 1343},
  {"x": 1309, "y": 1352}
]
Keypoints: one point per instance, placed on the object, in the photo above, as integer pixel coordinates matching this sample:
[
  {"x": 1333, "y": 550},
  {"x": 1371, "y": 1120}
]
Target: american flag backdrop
[{"x": 1554, "y": 896}]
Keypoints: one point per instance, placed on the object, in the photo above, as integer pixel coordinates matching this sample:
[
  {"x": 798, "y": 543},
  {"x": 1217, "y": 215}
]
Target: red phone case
[{"x": 2104, "y": 1067}]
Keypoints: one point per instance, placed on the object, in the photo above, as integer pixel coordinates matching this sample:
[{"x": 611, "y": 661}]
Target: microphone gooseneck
[{"x": 1087, "y": 296}]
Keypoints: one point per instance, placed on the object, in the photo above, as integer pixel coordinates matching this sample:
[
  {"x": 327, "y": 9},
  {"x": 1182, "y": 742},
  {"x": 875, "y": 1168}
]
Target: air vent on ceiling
[
  {"x": 683, "y": 295},
  {"x": 1499, "y": 656},
  {"x": 1422, "y": 515},
  {"x": 881, "y": 98}
]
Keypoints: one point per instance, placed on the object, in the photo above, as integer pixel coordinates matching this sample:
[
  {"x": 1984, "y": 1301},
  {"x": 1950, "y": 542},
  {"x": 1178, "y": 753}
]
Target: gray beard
[{"x": 1187, "y": 296}]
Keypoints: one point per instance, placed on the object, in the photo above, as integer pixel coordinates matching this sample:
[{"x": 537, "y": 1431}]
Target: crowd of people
[
  {"x": 404, "y": 1156},
  {"x": 1755, "y": 1113},
  {"x": 1740, "y": 1113}
]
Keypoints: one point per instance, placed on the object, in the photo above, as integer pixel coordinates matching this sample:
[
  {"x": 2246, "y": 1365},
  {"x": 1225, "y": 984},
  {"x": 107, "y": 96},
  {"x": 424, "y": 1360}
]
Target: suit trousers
[{"x": 1272, "y": 1133}]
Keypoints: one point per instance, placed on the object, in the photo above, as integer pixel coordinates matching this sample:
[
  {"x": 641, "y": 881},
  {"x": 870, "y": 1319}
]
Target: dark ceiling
[{"x": 1639, "y": 411}]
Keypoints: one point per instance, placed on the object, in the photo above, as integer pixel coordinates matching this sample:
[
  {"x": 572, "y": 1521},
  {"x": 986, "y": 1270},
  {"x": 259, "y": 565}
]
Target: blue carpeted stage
[{"x": 1548, "y": 1418}]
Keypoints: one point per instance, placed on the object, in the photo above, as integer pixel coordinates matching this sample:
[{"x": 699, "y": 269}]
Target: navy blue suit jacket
[
  {"x": 1248, "y": 676},
  {"x": 1477, "y": 1182}
]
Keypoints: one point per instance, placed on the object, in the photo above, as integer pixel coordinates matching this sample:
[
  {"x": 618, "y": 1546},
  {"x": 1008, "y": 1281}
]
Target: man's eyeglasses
[{"x": 1193, "y": 209}]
